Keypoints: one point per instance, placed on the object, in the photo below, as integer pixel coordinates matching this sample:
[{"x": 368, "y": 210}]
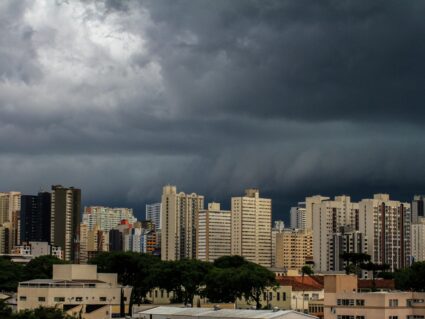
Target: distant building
[
  {"x": 294, "y": 247},
  {"x": 213, "y": 233},
  {"x": 106, "y": 218},
  {"x": 36, "y": 249},
  {"x": 78, "y": 290},
  {"x": 386, "y": 223},
  {"x": 251, "y": 227},
  {"x": 10, "y": 206},
  {"x": 298, "y": 216},
  {"x": 279, "y": 226},
  {"x": 178, "y": 218},
  {"x": 418, "y": 240},
  {"x": 153, "y": 213},
  {"x": 328, "y": 218},
  {"x": 418, "y": 208},
  {"x": 35, "y": 217},
  {"x": 310, "y": 202},
  {"x": 345, "y": 241},
  {"x": 65, "y": 220}
]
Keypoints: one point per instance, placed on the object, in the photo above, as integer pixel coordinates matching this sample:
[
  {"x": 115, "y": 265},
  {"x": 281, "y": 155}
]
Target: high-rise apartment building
[
  {"x": 298, "y": 216},
  {"x": 213, "y": 233},
  {"x": 386, "y": 223},
  {"x": 65, "y": 220},
  {"x": 328, "y": 218},
  {"x": 35, "y": 217},
  {"x": 310, "y": 202},
  {"x": 294, "y": 247},
  {"x": 153, "y": 213},
  {"x": 178, "y": 223},
  {"x": 251, "y": 227},
  {"x": 346, "y": 240},
  {"x": 10, "y": 206},
  {"x": 106, "y": 218},
  {"x": 417, "y": 237},
  {"x": 418, "y": 207}
]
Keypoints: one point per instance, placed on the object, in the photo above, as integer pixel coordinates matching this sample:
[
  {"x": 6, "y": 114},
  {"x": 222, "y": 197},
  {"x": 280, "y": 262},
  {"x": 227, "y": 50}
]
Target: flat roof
[{"x": 225, "y": 313}]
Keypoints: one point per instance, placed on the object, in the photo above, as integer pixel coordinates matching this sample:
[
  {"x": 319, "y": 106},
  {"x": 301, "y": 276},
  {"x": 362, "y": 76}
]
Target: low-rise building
[
  {"x": 77, "y": 289},
  {"x": 216, "y": 312},
  {"x": 343, "y": 301}
]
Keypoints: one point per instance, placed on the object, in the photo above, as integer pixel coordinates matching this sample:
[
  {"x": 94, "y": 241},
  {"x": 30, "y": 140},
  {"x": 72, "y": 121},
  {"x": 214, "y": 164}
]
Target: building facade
[
  {"x": 35, "y": 217},
  {"x": 328, "y": 218},
  {"x": 65, "y": 220},
  {"x": 418, "y": 208},
  {"x": 294, "y": 247},
  {"x": 178, "y": 218},
  {"x": 213, "y": 233},
  {"x": 251, "y": 227},
  {"x": 10, "y": 207},
  {"x": 153, "y": 213},
  {"x": 298, "y": 216},
  {"x": 106, "y": 218},
  {"x": 417, "y": 237},
  {"x": 386, "y": 223}
]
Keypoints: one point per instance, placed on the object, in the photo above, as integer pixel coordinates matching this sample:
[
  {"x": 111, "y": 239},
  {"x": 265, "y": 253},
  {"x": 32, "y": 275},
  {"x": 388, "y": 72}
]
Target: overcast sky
[{"x": 293, "y": 97}]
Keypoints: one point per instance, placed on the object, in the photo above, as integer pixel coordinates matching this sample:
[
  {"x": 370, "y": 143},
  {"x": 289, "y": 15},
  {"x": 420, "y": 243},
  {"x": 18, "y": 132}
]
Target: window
[
  {"x": 156, "y": 293},
  {"x": 162, "y": 293},
  {"x": 41, "y": 298},
  {"x": 284, "y": 296},
  {"x": 360, "y": 302},
  {"x": 360, "y": 317},
  {"x": 393, "y": 317},
  {"x": 278, "y": 296},
  {"x": 305, "y": 296},
  {"x": 78, "y": 298},
  {"x": 270, "y": 296},
  {"x": 59, "y": 299},
  {"x": 393, "y": 302},
  {"x": 102, "y": 298},
  {"x": 22, "y": 298}
]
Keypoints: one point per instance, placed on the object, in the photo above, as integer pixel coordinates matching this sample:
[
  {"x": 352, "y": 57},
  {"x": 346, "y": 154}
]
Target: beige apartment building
[
  {"x": 213, "y": 233},
  {"x": 251, "y": 227},
  {"x": 178, "y": 218},
  {"x": 343, "y": 301},
  {"x": 293, "y": 248},
  {"x": 329, "y": 216},
  {"x": 386, "y": 223},
  {"x": 77, "y": 289},
  {"x": 310, "y": 202},
  {"x": 10, "y": 208}
]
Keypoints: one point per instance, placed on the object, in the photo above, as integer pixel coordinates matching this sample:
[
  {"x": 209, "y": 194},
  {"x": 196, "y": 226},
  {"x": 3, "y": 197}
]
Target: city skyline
[{"x": 119, "y": 98}]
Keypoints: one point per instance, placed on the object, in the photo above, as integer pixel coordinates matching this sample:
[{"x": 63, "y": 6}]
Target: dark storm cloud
[{"x": 293, "y": 97}]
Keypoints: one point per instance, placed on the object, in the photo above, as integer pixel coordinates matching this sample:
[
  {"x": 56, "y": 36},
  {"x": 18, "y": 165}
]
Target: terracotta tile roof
[
  {"x": 312, "y": 283},
  {"x": 380, "y": 284}
]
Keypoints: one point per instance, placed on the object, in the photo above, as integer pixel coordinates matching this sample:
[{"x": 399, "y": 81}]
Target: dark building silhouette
[{"x": 35, "y": 217}]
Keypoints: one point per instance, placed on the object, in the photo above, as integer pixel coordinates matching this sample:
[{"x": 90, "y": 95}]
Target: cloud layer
[{"x": 293, "y": 97}]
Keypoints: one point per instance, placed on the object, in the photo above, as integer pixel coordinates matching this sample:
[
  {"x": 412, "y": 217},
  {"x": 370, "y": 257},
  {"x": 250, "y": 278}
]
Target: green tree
[
  {"x": 10, "y": 274},
  {"x": 305, "y": 270},
  {"x": 375, "y": 269},
  {"x": 354, "y": 260},
  {"x": 5, "y": 310},
  {"x": 185, "y": 277},
  {"x": 234, "y": 277},
  {"x": 41, "y": 267},
  {"x": 411, "y": 278}
]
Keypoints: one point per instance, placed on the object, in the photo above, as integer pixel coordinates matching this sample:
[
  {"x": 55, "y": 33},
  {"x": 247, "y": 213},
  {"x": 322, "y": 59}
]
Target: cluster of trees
[
  {"x": 38, "y": 268},
  {"x": 225, "y": 280},
  {"x": 39, "y": 313}
]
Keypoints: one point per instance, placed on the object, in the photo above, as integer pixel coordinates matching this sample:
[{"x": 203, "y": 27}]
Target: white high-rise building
[
  {"x": 153, "y": 213},
  {"x": 213, "y": 233},
  {"x": 418, "y": 240},
  {"x": 298, "y": 216},
  {"x": 251, "y": 227},
  {"x": 328, "y": 218},
  {"x": 178, "y": 223},
  {"x": 386, "y": 223},
  {"x": 106, "y": 218}
]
